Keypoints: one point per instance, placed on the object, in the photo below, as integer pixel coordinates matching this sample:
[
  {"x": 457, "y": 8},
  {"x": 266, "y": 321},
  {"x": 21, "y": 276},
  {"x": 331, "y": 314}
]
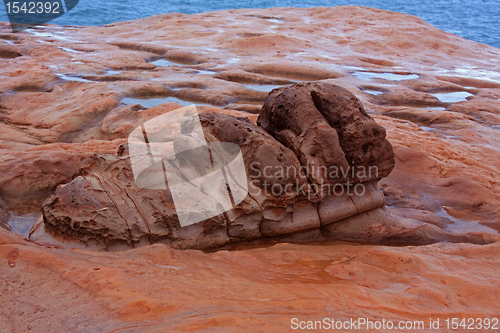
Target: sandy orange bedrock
[{"x": 447, "y": 160}]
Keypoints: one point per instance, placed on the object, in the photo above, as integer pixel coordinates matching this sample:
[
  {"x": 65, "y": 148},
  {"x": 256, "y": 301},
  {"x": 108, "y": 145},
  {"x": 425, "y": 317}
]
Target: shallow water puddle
[
  {"x": 206, "y": 72},
  {"x": 452, "y": 97},
  {"x": 232, "y": 61},
  {"x": 427, "y": 129},
  {"x": 460, "y": 226},
  {"x": 48, "y": 35},
  {"x": 110, "y": 72},
  {"x": 263, "y": 87},
  {"x": 473, "y": 73},
  {"x": 434, "y": 130},
  {"x": 163, "y": 63},
  {"x": 386, "y": 76},
  {"x": 72, "y": 78},
  {"x": 354, "y": 68},
  {"x": 39, "y": 34},
  {"x": 373, "y": 92},
  {"x": 86, "y": 77},
  {"x": 21, "y": 224},
  {"x": 107, "y": 76},
  {"x": 152, "y": 102}
]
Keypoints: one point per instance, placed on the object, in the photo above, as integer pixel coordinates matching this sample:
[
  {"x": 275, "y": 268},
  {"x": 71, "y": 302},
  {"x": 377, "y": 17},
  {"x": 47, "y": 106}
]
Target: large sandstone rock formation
[
  {"x": 312, "y": 169},
  {"x": 312, "y": 165}
]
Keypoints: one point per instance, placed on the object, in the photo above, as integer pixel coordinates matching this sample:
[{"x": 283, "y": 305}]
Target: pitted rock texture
[
  {"x": 311, "y": 126},
  {"x": 103, "y": 207},
  {"x": 326, "y": 125}
]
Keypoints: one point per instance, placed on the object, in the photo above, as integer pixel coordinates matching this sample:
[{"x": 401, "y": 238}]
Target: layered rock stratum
[{"x": 71, "y": 92}]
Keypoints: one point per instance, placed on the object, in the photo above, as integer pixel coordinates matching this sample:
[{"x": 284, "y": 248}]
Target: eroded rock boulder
[
  {"x": 327, "y": 126},
  {"x": 104, "y": 190},
  {"x": 312, "y": 168}
]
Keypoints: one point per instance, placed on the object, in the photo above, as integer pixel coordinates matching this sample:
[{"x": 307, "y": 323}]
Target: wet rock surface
[
  {"x": 157, "y": 288},
  {"x": 70, "y": 92}
]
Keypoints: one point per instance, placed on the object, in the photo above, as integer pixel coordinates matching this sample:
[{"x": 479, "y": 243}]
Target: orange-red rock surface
[
  {"x": 158, "y": 289},
  {"x": 69, "y": 92}
]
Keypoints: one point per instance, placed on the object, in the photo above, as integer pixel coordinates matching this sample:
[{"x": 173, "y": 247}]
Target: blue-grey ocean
[{"x": 477, "y": 20}]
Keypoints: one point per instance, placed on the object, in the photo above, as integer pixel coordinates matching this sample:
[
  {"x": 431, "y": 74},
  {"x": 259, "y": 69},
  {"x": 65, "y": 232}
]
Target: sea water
[{"x": 477, "y": 20}]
